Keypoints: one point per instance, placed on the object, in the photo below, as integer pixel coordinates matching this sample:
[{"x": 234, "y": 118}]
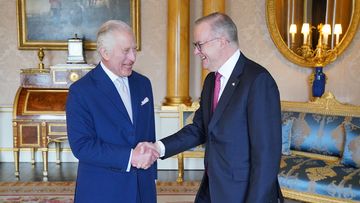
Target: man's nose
[
  {"x": 196, "y": 51},
  {"x": 132, "y": 55}
]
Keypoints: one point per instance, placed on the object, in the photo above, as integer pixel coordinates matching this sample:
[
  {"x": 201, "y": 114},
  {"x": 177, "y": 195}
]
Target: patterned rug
[{"x": 62, "y": 192}]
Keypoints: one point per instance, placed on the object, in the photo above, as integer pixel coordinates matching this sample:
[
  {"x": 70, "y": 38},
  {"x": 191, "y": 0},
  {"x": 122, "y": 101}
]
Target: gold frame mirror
[{"x": 347, "y": 36}]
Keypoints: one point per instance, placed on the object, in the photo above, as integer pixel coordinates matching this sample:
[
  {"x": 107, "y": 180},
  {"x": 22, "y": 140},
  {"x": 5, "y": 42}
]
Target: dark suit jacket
[
  {"x": 101, "y": 136},
  {"x": 242, "y": 138}
]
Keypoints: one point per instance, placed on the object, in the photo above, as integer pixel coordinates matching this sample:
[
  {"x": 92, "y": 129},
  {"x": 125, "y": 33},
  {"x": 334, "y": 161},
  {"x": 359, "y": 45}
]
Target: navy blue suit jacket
[
  {"x": 242, "y": 137},
  {"x": 101, "y": 136}
]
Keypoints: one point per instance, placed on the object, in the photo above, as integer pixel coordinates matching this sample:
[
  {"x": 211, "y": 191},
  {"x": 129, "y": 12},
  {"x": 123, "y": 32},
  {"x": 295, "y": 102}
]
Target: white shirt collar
[
  {"x": 226, "y": 69},
  {"x": 111, "y": 75}
]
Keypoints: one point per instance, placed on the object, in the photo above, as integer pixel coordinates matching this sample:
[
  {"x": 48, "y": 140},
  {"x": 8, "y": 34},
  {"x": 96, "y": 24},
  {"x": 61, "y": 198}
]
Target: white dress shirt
[{"x": 226, "y": 69}]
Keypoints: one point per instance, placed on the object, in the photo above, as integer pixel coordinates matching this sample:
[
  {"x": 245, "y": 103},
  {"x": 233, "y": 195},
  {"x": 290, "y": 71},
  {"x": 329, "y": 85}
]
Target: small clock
[{"x": 75, "y": 50}]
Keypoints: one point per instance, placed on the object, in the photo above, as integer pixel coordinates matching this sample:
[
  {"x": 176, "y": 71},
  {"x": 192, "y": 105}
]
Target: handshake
[{"x": 145, "y": 154}]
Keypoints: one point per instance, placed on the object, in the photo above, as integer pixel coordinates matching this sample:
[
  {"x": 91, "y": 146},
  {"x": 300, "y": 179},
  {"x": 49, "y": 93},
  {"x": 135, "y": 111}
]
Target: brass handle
[{"x": 74, "y": 76}]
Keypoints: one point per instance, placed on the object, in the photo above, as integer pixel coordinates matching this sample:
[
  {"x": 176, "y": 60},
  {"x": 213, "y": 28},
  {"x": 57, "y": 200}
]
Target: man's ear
[
  {"x": 223, "y": 41},
  {"x": 105, "y": 54}
]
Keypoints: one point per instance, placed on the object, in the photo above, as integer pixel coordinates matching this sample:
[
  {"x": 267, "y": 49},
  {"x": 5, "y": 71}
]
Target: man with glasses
[{"x": 239, "y": 120}]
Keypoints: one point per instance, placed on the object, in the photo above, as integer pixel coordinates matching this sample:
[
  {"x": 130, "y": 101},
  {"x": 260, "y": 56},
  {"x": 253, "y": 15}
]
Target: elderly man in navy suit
[
  {"x": 109, "y": 111},
  {"x": 239, "y": 120}
]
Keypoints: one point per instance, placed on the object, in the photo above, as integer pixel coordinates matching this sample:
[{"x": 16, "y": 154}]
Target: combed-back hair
[{"x": 221, "y": 24}]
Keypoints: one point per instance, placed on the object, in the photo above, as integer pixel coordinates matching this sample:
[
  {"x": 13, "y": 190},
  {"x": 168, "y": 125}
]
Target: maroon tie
[
  {"x": 216, "y": 90},
  {"x": 215, "y": 98}
]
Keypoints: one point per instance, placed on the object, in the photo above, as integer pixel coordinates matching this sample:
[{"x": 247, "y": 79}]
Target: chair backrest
[
  {"x": 318, "y": 126},
  {"x": 186, "y": 116}
]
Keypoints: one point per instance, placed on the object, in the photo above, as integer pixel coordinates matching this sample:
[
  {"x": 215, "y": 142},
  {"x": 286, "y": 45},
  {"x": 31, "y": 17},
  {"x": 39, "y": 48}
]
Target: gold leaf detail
[{"x": 319, "y": 173}]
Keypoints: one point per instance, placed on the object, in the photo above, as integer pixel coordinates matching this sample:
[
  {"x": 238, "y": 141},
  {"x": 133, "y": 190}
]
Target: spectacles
[{"x": 198, "y": 45}]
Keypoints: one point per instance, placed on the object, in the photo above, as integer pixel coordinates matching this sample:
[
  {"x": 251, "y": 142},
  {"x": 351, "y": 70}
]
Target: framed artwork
[{"x": 49, "y": 24}]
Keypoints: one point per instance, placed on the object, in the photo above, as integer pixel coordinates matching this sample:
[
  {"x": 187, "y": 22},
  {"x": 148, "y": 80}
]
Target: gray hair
[
  {"x": 105, "y": 35},
  {"x": 221, "y": 24}
]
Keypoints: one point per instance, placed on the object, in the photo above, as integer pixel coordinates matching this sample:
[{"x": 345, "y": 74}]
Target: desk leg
[
  {"x": 32, "y": 156},
  {"x": 57, "y": 146},
  {"x": 45, "y": 161},
  {"x": 16, "y": 161},
  {"x": 180, "y": 177}
]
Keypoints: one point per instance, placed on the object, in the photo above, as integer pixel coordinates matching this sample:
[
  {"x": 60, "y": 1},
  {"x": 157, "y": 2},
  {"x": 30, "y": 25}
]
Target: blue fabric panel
[
  {"x": 320, "y": 177},
  {"x": 351, "y": 156},
  {"x": 317, "y": 133},
  {"x": 289, "y": 115},
  {"x": 355, "y": 121},
  {"x": 286, "y": 137}
]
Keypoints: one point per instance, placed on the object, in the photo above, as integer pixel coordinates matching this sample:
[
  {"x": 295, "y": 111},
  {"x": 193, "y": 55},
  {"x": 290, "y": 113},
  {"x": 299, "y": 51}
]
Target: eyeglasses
[{"x": 198, "y": 45}]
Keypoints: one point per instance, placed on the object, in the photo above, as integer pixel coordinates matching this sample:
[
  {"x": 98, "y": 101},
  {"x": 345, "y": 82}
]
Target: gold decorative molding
[
  {"x": 30, "y": 71},
  {"x": 25, "y": 43},
  {"x": 53, "y": 132},
  {"x": 327, "y": 104},
  {"x": 183, "y": 108},
  {"x": 316, "y": 156},
  {"x": 193, "y": 154},
  {"x": 9, "y": 149},
  {"x": 176, "y": 100},
  {"x": 15, "y": 134},
  {"x": 135, "y": 21},
  {"x": 55, "y": 80},
  {"x": 37, "y": 126},
  {"x": 161, "y": 116},
  {"x": 43, "y": 138},
  {"x": 17, "y": 95},
  {"x": 311, "y": 197}
]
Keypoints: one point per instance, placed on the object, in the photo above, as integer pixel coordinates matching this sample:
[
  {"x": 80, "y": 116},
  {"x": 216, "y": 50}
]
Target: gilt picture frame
[{"x": 48, "y": 24}]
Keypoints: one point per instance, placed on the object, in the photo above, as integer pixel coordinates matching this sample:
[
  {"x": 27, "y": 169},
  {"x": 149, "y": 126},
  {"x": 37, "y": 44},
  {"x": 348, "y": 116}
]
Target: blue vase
[{"x": 318, "y": 87}]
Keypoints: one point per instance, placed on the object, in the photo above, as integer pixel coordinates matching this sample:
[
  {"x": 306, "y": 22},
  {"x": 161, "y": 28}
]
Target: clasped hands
[{"x": 144, "y": 155}]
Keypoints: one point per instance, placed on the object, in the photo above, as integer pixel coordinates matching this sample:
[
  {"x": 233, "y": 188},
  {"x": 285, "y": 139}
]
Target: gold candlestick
[
  {"x": 41, "y": 67},
  {"x": 41, "y": 56}
]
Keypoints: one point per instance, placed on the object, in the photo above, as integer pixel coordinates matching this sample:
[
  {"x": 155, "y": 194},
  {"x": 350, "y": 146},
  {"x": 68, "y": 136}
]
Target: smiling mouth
[{"x": 128, "y": 65}]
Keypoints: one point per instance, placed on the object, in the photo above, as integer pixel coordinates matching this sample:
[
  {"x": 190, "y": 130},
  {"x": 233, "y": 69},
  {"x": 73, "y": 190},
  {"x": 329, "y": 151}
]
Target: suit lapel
[
  {"x": 105, "y": 85},
  {"x": 135, "y": 97},
  {"x": 208, "y": 94},
  {"x": 228, "y": 91}
]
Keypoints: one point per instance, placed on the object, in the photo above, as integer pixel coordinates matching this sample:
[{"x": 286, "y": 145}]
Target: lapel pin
[
  {"x": 146, "y": 100},
  {"x": 233, "y": 84}
]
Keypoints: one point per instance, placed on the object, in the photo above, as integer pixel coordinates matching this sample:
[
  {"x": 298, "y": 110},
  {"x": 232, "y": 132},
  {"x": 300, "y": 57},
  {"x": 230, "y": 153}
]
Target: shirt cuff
[
  {"x": 161, "y": 147},
  {"x": 129, "y": 163}
]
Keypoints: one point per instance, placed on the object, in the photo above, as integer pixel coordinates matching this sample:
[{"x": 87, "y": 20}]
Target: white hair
[{"x": 105, "y": 36}]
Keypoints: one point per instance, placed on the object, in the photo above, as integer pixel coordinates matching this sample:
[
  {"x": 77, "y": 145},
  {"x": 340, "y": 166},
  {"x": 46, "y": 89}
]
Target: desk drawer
[{"x": 27, "y": 134}]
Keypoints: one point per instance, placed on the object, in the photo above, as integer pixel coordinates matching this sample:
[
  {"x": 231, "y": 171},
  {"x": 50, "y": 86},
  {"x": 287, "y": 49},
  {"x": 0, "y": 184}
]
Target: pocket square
[{"x": 146, "y": 100}]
